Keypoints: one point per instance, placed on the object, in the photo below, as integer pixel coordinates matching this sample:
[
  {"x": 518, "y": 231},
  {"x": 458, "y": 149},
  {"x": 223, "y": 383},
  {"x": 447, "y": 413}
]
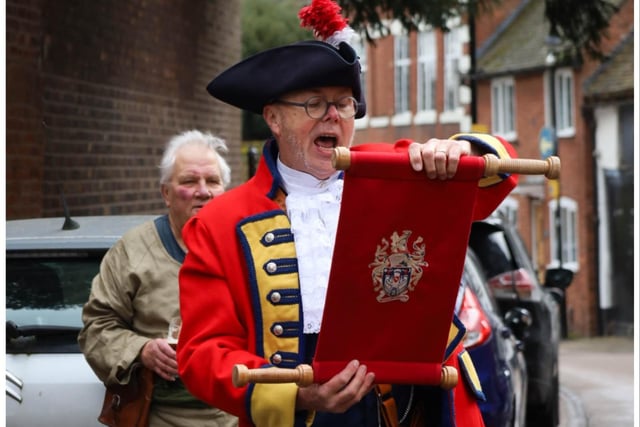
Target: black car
[
  {"x": 495, "y": 351},
  {"x": 514, "y": 283}
]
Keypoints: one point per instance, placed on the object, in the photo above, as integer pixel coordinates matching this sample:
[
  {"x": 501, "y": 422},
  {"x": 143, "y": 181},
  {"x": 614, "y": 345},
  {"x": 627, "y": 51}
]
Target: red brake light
[
  {"x": 474, "y": 319},
  {"x": 506, "y": 285}
]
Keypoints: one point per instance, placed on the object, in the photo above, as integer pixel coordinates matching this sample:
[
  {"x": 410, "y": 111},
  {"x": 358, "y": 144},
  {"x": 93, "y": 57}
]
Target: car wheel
[{"x": 548, "y": 413}]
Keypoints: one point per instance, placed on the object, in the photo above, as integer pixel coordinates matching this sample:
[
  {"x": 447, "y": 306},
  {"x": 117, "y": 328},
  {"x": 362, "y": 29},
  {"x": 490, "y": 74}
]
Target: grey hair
[{"x": 194, "y": 137}]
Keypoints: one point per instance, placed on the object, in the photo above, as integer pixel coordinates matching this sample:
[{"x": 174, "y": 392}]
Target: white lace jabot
[{"x": 313, "y": 207}]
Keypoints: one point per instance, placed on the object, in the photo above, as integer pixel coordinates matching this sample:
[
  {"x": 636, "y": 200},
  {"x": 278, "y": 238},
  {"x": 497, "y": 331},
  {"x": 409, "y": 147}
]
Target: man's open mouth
[{"x": 326, "y": 141}]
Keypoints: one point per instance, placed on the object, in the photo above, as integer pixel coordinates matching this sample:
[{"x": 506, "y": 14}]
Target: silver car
[{"x": 50, "y": 263}]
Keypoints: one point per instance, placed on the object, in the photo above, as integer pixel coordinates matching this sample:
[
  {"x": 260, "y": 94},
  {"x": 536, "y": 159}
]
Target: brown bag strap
[{"x": 388, "y": 408}]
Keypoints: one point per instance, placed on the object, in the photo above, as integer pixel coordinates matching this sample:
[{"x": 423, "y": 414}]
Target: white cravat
[{"x": 313, "y": 207}]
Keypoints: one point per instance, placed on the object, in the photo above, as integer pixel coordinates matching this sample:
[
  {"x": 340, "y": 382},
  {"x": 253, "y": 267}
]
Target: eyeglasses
[{"x": 317, "y": 107}]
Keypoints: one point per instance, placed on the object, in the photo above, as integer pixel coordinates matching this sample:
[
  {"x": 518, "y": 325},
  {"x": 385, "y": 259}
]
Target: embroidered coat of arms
[{"x": 396, "y": 270}]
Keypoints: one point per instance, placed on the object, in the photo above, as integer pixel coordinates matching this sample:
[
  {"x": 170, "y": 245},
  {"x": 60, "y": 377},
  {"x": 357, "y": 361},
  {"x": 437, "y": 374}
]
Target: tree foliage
[
  {"x": 270, "y": 23},
  {"x": 582, "y": 23},
  {"x": 267, "y": 24},
  {"x": 367, "y": 16}
]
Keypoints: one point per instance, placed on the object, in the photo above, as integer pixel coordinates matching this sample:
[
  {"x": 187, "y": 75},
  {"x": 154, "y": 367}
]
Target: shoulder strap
[{"x": 388, "y": 408}]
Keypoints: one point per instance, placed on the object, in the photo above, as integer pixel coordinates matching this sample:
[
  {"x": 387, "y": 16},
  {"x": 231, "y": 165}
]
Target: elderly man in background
[{"x": 135, "y": 295}]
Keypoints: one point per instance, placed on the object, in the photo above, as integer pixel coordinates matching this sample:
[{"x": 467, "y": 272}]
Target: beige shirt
[{"x": 132, "y": 300}]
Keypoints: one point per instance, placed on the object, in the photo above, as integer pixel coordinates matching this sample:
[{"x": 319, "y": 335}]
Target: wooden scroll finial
[
  {"x": 341, "y": 158},
  {"x": 302, "y": 375},
  {"x": 550, "y": 167},
  {"x": 448, "y": 377}
]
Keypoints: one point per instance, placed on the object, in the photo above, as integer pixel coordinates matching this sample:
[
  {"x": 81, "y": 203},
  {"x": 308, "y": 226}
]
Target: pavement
[{"x": 597, "y": 382}]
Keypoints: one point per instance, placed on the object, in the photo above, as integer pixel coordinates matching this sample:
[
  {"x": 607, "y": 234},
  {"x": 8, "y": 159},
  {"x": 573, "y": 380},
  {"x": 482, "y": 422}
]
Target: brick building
[
  {"x": 609, "y": 113},
  {"x": 418, "y": 87},
  {"x": 94, "y": 91}
]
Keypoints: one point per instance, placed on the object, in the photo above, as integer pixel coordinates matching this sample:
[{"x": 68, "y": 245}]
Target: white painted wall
[{"x": 607, "y": 156}]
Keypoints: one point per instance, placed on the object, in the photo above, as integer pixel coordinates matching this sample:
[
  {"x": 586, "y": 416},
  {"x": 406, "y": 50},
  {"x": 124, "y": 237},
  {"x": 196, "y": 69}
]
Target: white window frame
[
  {"x": 564, "y": 102},
  {"x": 509, "y": 210},
  {"x": 569, "y": 230},
  {"x": 503, "y": 108},
  {"x": 452, "y": 58},
  {"x": 427, "y": 72},
  {"x": 564, "y": 91},
  {"x": 402, "y": 64}
]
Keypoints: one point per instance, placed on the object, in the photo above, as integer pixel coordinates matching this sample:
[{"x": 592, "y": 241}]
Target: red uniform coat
[{"x": 239, "y": 281}]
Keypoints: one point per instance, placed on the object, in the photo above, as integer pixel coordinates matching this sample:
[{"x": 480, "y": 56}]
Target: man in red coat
[{"x": 253, "y": 284}]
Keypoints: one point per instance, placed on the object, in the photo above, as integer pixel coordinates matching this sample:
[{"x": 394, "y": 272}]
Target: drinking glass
[{"x": 174, "y": 331}]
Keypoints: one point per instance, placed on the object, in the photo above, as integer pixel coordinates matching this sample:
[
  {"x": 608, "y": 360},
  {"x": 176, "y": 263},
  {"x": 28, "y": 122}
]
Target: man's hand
[
  {"x": 160, "y": 357},
  {"x": 338, "y": 394},
  {"x": 439, "y": 158}
]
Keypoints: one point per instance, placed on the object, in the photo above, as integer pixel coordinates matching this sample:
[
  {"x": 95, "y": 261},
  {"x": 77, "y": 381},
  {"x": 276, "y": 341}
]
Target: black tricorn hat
[{"x": 262, "y": 78}]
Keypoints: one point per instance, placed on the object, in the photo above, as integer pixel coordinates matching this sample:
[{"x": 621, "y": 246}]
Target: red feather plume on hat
[{"x": 324, "y": 18}]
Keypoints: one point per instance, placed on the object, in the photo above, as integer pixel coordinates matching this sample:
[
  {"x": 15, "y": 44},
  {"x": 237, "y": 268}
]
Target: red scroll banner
[
  {"x": 398, "y": 259},
  {"x": 397, "y": 263}
]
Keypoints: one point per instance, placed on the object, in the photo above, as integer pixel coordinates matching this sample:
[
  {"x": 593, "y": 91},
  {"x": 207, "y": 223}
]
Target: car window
[
  {"x": 520, "y": 251},
  {"x": 45, "y": 293},
  {"x": 492, "y": 248},
  {"x": 474, "y": 278}
]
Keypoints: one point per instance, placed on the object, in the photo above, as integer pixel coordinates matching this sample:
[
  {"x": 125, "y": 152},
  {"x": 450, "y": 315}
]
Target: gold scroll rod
[
  {"x": 550, "y": 168},
  {"x": 302, "y": 375}
]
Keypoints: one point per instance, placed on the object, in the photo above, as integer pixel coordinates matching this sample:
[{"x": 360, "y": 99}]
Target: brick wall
[
  {"x": 380, "y": 96},
  {"x": 96, "y": 89},
  {"x": 25, "y": 148},
  {"x": 577, "y": 181}
]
